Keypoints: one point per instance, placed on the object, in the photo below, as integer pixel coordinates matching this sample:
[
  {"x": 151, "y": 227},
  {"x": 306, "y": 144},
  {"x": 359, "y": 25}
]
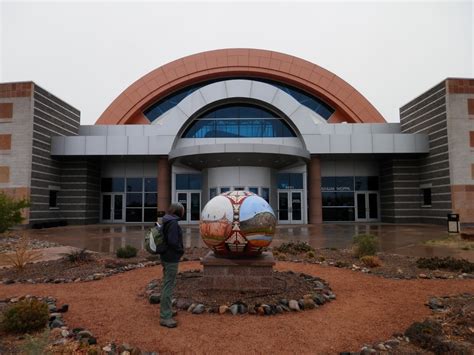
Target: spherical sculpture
[{"x": 237, "y": 223}]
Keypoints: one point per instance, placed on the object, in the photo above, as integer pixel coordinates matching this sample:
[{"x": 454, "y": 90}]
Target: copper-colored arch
[{"x": 350, "y": 105}]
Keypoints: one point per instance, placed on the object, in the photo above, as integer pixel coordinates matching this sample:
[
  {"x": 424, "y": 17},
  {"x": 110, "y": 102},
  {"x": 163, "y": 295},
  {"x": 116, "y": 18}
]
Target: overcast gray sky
[{"x": 87, "y": 53}]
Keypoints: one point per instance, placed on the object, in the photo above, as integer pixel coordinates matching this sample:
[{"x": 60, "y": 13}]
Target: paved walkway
[{"x": 394, "y": 238}]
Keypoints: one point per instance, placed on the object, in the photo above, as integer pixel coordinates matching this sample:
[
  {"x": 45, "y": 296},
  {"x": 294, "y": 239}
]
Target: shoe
[{"x": 168, "y": 323}]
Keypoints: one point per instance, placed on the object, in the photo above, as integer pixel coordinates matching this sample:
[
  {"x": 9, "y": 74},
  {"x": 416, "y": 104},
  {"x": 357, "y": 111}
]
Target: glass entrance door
[
  {"x": 113, "y": 208},
  {"x": 367, "y": 205},
  {"x": 290, "y": 207},
  {"x": 191, "y": 200}
]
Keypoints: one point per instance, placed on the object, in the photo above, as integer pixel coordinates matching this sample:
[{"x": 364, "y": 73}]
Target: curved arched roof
[{"x": 350, "y": 105}]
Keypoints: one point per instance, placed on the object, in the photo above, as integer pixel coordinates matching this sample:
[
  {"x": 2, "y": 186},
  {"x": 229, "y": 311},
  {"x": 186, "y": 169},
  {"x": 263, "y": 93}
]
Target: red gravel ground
[{"x": 367, "y": 309}]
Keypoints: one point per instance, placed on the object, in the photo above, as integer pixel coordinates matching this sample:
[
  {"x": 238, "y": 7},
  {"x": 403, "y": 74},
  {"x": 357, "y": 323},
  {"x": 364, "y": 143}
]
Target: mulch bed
[
  {"x": 393, "y": 266},
  {"x": 286, "y": 286}
]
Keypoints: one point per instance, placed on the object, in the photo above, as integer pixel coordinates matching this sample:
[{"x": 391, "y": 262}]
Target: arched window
[
  {"x": 310, "y": 101},
  {"x": 238, "y": 121}
]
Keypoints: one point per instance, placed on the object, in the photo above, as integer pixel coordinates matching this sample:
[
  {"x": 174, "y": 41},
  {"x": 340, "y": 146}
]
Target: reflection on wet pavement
[{"x": 397, "y": 239}]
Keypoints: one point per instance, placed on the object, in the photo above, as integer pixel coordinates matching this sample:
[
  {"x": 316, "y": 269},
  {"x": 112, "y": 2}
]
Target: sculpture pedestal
[{"x": 249, "y": 274}]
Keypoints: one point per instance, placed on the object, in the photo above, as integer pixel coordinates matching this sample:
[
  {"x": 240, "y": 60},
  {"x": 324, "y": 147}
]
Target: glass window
[
  {"x": 150, "y": 215},
  {"x": 241, "y": 110},
  {"x": 266, "y": 194},
  {"x": 344, "y": 183},
  {"x": 194, "y": 181},
  {"x": 182, "y": 181},
  {"x": 151, "y": 200},
  {"x": 133, "y": 215},
  {"x": 188, "y": 181},
  {"x": 134, "y": 200},
  {"x": 296, "y": 181},
  {"x": 426, "y": 196},
  {"x": 254, "y": 190},
  {"x": 151, "y": 184},
  {"x": 366, "y": 183},
  {"x": 212, "y": 192},
  {"x": 338, "y": 214},
  {"x": 328, "y": 183},
  {"x": 344, "y": 199},
  {"x": 134, "y": 184},
  {"x": 225, "y": 189},
  {"x": 283, "y": 181},
  {"x": 112, "y": 184},
  {"x": 53, "y": 198}
]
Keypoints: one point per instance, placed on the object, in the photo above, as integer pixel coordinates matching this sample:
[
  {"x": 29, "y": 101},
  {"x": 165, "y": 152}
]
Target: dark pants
[{"x": 170, "y": 271}]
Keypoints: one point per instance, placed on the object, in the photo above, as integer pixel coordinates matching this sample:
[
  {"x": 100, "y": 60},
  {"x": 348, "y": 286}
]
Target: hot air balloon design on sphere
[{"x": 237, "y": 224}]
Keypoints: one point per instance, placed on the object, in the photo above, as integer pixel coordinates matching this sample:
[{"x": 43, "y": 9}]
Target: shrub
[
  {"x": 36, "y": 345},
  {"x": 294, "y": 248},
  {"x": 448, "y": 263},
  {"x": 78, "y": 256},
  {"x": 321, "y": 258},
  {"x": 371, "y": 261},
  {"x": 310, "y": 254},
  {"x": 365, "y": 244},
  {"x": 26, "y": 316},
  {"x": 22, "y": 254},
  {"x": 127, "y": 252},
  {"x": 10, "y": 211},
  {"x": 424, "y": 334},
  {"x": 341, "y": 264}
]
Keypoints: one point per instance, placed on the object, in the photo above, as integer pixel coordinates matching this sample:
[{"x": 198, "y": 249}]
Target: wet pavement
[{"x": 402, "y": 239}]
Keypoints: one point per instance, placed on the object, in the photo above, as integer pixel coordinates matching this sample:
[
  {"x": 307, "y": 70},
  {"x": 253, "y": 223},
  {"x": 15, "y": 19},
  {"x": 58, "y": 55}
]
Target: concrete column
[
  {"x": 314, "y": 190},
  {"x": 164, "y": 184}
]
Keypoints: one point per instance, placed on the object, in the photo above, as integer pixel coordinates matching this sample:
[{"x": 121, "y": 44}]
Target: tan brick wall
[
  {"x": 6, "y": 110},
  {"x": 4, "y": 174},
  {"x": 470, "y": 106},
  {"x": 16, "y": 90},
  {"x": 5, "y": 141},
  {"x": 462, "y": 197}
]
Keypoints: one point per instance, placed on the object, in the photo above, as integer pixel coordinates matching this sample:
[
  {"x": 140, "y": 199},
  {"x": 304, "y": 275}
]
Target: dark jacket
[{"x": 174, "y": 238}]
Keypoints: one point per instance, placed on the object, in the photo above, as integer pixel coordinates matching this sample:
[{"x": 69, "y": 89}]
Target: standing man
[{"x": 173, "y": 236}]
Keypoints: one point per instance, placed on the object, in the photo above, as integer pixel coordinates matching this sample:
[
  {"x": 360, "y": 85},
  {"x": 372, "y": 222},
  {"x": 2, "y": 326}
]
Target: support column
[
  {"x": 314, "y": 190},
  {"x": 164, "y": 184}
]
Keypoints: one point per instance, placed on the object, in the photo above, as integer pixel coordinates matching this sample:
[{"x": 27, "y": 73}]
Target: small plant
[
  {"x": 294, "y": 248},
  {"x": 341, "y": 264},
  {"x": 364, "y": 245},
  {"x": 10, "y": 211},
  {"x": 310, "y": 254},
  {"x": 321, "y": 258},
  {"x": 448, "y": 263},
  {"x": 78, "y": 256},
  {"x": 36, "y": 345},
  {"x": 22, "y": 254},
  {"x": 26, "y": 316},
  {"x": 371, "y": 261},
  {"x": 424, "y": 334},
  {"x": 127, "y": 252}
]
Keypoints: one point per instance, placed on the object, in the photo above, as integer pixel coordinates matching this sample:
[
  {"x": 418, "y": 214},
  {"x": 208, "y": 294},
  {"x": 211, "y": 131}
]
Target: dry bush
[
  {"x": 371, "y": 261},
  {"x": 22, "y": 254}
]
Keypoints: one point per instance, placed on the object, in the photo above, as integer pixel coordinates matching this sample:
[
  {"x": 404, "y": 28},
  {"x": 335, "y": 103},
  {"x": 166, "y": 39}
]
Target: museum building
[{"x": 240, "y": 119}]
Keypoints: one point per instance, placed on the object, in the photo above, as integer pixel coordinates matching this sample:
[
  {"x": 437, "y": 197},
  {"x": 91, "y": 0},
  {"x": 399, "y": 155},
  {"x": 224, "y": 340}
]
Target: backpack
[{"x": 155, "y": 242}]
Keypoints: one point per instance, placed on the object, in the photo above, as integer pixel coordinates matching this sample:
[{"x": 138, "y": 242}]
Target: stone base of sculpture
[{"x": 243, "y": 274}]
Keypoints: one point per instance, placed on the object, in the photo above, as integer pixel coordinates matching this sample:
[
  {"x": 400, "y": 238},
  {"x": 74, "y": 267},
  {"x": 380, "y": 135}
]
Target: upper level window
[
  {"x": 238, "y": 121},
  {"x": 170, "y": 101}
]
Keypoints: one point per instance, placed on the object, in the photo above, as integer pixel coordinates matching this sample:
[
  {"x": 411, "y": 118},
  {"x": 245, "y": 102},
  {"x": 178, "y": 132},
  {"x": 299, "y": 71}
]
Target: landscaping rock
[
  {"x": 64, "y": 308},
  {"x": 84, "y": 334},
  {"x": 199, "y": 309},
  {"x": 154, "y": 298},
  {"x": 294, "y": 306},
  {"x": 234, "y": 309},
  {"x": 223, "y": 309},
  {"x": 309, "y": 303},
  {"x": 56, "y": 324}
]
